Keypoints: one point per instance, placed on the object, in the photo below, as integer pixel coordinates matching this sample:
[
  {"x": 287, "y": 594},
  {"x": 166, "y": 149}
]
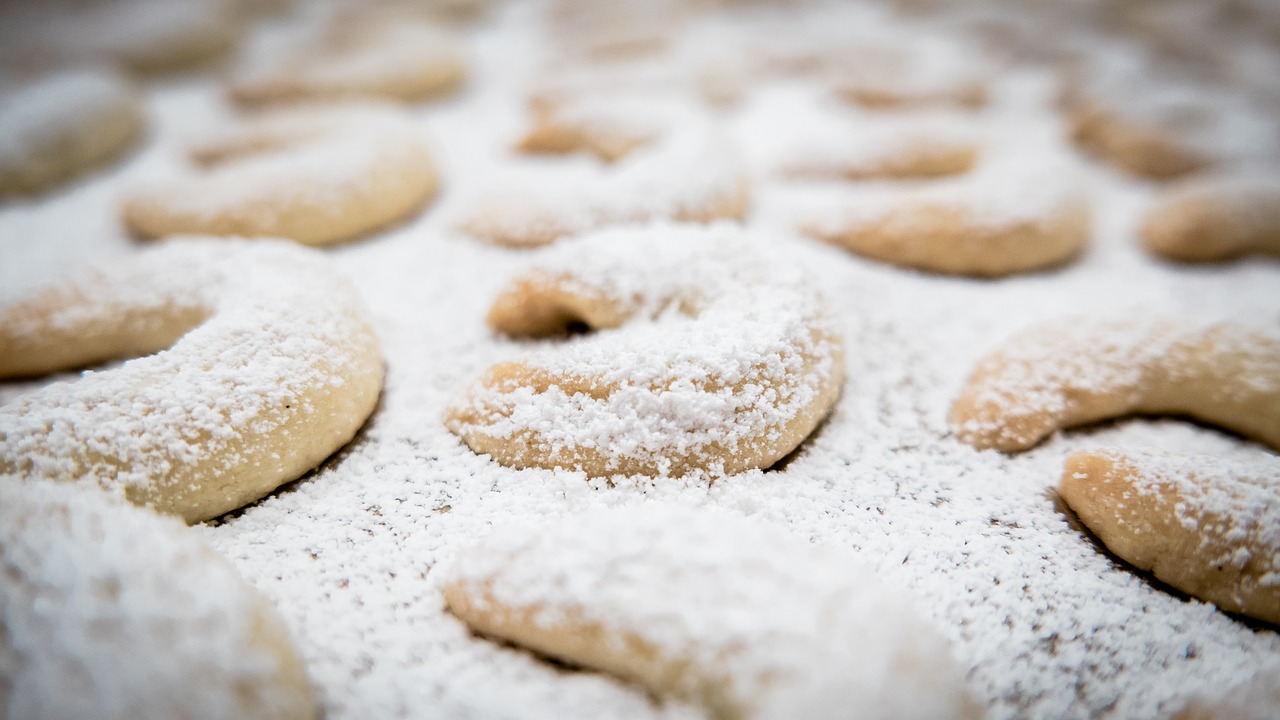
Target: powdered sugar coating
[
  {"x": 691, "y": 174},
  {"x": 707, "y": 605},
  {"x": 1044, "y": 625},
  {"x": 319, "y": 176},
  {"x": 111, "y": 612},
  {"x": 703, "y": 376},
  {"x": 1235, "y": 499},
  {"x": 1208, "y": 527}
]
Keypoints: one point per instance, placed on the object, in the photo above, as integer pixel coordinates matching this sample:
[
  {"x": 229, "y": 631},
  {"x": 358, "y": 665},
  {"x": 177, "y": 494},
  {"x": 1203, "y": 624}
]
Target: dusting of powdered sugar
[
  {"x": 273, "y": 320},
  {"x": 1234, "y": 500},
  {"x": 682, "y": 174},
  {"x": 113, "y": 612},
  {"x": 724, "y": 347},
  {"x": 1044, "y": 625},
  {"x": 766, "y": 625}
]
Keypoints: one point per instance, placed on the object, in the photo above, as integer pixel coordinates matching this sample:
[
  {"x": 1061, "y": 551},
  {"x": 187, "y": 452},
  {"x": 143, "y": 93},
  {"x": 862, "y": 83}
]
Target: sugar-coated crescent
[{"x": 271, "y": 365}]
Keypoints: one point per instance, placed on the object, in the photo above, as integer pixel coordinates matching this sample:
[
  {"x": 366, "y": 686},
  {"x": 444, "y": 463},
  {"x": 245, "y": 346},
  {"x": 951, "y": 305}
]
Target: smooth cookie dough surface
[
  {"x": 64, "y": 125},
  {"x": 1205, "y": 525},
  {"x": 709, "y": 356},
  {"x": 265, "y": 363},
  {"x": 1080, "y": 370},
  {"x": 703, "y": 605},
  {"x": 113, "y": 613}
]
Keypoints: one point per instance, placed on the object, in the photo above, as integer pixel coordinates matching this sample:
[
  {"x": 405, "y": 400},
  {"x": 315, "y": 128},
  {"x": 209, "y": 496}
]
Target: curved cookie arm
[
  {"x": 705, "y": 606},
  {"x": 1201, "y": 525},
  {"x": 1078, "y": 371},
  {"x": 1206, "y": 219},
  {"x": 111, "y": 612},
  {"x": 686, "y": 173},
  {"x": 283, "y": 370}
]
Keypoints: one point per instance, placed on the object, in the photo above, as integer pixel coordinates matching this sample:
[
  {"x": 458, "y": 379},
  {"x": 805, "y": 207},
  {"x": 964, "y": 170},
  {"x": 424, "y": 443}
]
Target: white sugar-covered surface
[{"x": 1045, "y": 624}]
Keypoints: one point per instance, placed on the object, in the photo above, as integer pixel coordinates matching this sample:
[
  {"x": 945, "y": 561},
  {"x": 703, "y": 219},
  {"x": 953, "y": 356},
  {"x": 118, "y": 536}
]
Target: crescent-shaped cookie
[
  {"x": 1081, "y": 370},
  {"x": 271, "y": 365},
  {"x": 318, "y": 175},
  {"x": 1206, "y": 526},
  {"x": 671, "y": 166},
  {"x": 64, "y": 125},
  {"x": 1008, "y": 216},
  {"x": 111, "y": 612},
  {"x": 709, "y": 357},
  {"x": 362, "y": 53},
  {"x": 735, "y": 615}
]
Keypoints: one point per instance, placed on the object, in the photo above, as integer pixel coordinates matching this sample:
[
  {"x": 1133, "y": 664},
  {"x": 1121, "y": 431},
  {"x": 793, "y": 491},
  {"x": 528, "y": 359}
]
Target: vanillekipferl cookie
[
  {"x": 1216, "y": 216},
  {"x": 709, "y": 356},
  {"x": 63, "y": 125},
  {"x": 669, "y": 162},
  {"x": 319, "y": 175},
  {"x": 1018, "y": 211},
  {"x": 358, "y": 52},
  {"x": 142, "y": 36},
  {"x": 111, "y": 612},
  {"x": 1079, "y": 370},
  {"x": 1164, "y": 130},
  {"x": 880, "y": 73},
  {"x": 733, "y": 614},
  {"x": 873, "y": 146},
  {"x": 1209, "y": 527},
  {"x": 265, "y": 362}
]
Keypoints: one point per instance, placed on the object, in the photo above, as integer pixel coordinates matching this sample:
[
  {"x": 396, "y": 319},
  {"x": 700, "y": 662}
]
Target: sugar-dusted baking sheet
[{"x": 1046, "y": 623}]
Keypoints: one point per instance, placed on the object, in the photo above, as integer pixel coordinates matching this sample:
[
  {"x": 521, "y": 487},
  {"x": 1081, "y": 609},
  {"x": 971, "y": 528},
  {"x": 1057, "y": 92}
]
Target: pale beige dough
[
  {"x": 318, "y": 175},
  {"x": 701, "y": 605},
  {"x": 64, "y": 125},
  {"x": 271, "y": 365},
  {"x": 360, "y": 53},
  {"x": 1198, "y": 523},
  {"x": 703, "y": 360},
  {"x": 1080, "y": 370},
  {"x": 111, "y": 612},
  {"x": 1215, "y": 217}
]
